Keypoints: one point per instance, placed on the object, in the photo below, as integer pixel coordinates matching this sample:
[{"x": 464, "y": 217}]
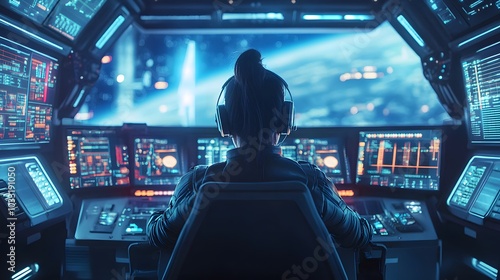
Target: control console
[
  {"x": 394, "y": 219},
  {"x": 117, "y": 219}
]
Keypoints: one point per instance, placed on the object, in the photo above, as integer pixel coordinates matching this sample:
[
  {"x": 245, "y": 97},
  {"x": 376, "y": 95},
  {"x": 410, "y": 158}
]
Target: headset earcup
[
  {"x": 288, "y": 117},
  {"x": 222, "y": 120}
]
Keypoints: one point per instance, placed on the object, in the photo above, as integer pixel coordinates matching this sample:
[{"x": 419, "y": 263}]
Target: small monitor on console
[
  {"x": 481, "y": 73},
  {"x": 28, "y": 84},
  {"x": 157, "y": 161},
  {"x": 213, "y": 150},
  {"x": 326, "y": 153},
  {"x": 96, "y": 158},
  {"x": 407, "y": 159}
]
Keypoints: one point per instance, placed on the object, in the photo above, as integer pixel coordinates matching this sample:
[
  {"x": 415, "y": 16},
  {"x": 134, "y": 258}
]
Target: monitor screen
[
  {"x": 96, "y": 158},
  {"x": 157, "y": 161},
  {"x": 408, "y": 159},
  {"x": 28, "y": 82},
  {"x": 213, "y": 150},
  {"x": 71, "y": 16},
  {"x": 36, "y": 10},
  {"x": 326, "y": 153},
  {"x": 481, "y": 73},
  {"x": 448, "y": 16},
  {"x": 476, "y": 12}
]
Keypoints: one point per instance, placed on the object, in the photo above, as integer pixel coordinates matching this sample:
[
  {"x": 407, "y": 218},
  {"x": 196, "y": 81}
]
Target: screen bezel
[{"x": 441, "y": 132}]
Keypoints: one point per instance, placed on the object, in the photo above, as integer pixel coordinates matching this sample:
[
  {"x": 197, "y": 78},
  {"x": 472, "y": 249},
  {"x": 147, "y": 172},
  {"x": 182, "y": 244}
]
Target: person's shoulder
[
  {"x": 312, "y": 170},
  {"x": 308, "y": 167}
]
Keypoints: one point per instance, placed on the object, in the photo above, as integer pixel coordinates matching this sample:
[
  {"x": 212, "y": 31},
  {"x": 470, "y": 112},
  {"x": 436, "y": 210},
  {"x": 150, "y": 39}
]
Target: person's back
[{"x": 255, "y": 115}]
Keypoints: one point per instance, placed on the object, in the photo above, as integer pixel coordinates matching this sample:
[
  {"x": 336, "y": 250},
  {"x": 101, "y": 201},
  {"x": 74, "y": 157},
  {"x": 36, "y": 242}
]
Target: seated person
[{"x": 255, "y": 116}]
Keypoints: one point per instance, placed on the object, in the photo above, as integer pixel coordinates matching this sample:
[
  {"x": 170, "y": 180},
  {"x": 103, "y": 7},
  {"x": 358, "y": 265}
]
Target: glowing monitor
[
  {"x": 71, "y": 16},
  {"x": 213, "y": 150},
  {"x": 327, "y": 154},
  {"x": 476, "y": 12},
  {"x": 399, "y": 159},
  {"x": 28, "y": 82},
  {"x": 96, "y": 158},
  {"x": 157, "y": 161},
  {"x": 482, "y": 87},
  {"x": 36, "y": 10}
]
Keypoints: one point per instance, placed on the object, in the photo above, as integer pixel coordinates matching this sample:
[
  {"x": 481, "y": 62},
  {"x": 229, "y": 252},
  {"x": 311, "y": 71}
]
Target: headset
[{"x": 285, "y": 118}]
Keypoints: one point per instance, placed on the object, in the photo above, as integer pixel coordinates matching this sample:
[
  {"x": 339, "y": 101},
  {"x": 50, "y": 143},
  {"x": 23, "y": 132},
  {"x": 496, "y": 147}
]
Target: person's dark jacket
[{"x": 248, "y": 164}]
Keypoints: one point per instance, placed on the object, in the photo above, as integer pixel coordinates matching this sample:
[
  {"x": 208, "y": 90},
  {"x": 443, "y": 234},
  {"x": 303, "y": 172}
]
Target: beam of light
[
  {"x": 253, "y": 16},
  {"x": 187, "y": 87},
  {"x": 322, "y": 17},
  {"x": 478, "y": 36},
  {"x": 110, "y": 31},
  {"x": 402, "y": 20}
]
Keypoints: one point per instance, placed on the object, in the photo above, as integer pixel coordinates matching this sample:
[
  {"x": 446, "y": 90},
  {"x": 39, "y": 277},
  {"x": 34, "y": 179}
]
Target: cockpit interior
[{"x": 106, "y": 104}]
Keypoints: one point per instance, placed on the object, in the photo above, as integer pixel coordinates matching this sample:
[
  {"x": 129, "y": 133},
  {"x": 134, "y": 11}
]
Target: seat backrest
[{"x": 254, "y": 231}]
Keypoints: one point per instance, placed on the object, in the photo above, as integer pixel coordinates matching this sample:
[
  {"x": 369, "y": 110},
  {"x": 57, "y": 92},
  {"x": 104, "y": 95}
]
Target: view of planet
[{"x": 336, "y": 78}]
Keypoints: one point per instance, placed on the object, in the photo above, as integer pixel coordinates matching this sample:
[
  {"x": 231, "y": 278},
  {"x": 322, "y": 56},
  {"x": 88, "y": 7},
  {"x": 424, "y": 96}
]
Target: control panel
[
  {"x": 30, "y": 194},
  {"x": 117, "y": 219},
  {"x": 395, "y": 219},
  {"x": 476, "y": 195}
]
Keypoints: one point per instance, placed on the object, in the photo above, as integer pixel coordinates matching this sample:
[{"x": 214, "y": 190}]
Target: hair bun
[{"x": 248, "y": 68}]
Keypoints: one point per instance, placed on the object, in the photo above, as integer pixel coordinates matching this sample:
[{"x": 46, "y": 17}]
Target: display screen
[
  {"x": 96, "y": 158},
  {"x": 477, "y": 11},
  {"x": 157, "y": 161},
  {"x": 326, "y": 154},
  {"x": 399, "y": 159},
  {"x": 36, "y": 10},
  {"x": 71, "y": 16},
  {"x": 451, "y": 20},
  {"x": 28, "y": 82},
  {"x": 482, "y": 87},
  {"x": 468, "y": 183},
  {"x": 213, "y": 150}
]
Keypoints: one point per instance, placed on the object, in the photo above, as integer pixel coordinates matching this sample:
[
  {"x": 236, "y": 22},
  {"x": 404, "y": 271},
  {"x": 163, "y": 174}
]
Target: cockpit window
[{"x": 349, "y": 77}]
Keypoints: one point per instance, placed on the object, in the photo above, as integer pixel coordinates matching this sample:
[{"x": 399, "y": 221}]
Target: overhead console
[{"x": 459, "y": 17}]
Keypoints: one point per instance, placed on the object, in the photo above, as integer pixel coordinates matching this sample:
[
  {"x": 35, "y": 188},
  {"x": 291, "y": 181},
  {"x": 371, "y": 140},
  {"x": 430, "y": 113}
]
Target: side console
[{"x": 121, "y": 219}]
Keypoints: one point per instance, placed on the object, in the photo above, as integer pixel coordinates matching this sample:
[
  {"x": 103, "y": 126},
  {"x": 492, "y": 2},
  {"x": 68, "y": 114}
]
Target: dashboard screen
[
  {"x": 481, "y": 73},
  {"x": 96, "y": 158},
  {"x": 71, "y": 16},
  {"x": 408, "y": 159},
  {"x": 326, "y": 153},
  {"x": 213, "y": 150},
  {"x": 157, "y": 161},
  {"x": 28, "y": 82}
]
